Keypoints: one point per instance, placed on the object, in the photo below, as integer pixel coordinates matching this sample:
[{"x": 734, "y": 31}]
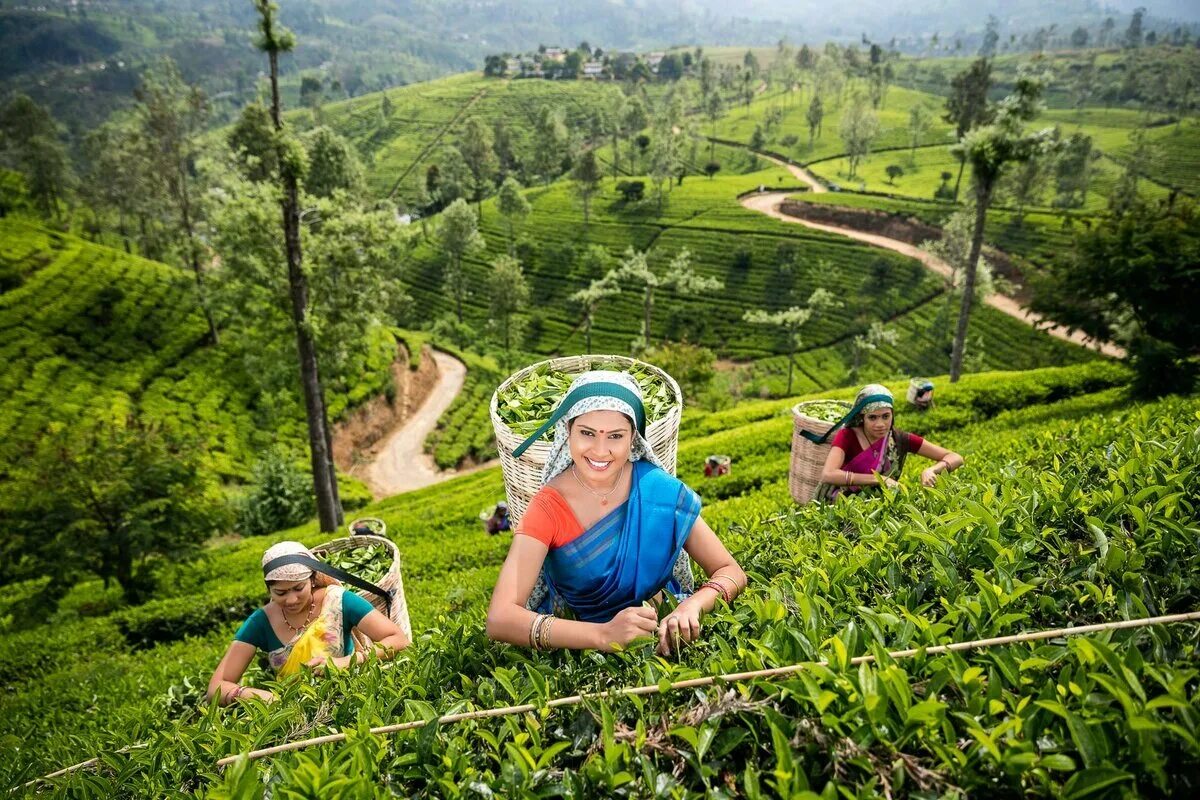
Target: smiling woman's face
[{"x": 600, "y": 442}]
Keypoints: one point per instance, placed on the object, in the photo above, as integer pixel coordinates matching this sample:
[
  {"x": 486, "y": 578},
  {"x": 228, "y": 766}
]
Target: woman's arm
[
  {"x": 225, "y": 680},
  {"x": 386, "y": 640},
  {"x": 509, "y": 621},
  {"x": 947, "y": 461},
  {"x": 715, "y": 559},
  {"x": 834, "y": 475}
]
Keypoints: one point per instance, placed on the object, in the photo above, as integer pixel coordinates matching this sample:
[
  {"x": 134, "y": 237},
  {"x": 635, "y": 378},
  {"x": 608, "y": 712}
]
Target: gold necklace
[
  {"x": 312, "y": 604},
  {"x": 602, "y": 495}
]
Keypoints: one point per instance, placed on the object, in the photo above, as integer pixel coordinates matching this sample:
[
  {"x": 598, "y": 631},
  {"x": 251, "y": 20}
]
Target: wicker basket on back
[
  {"x": 523, "y": 476},
  {"x": 808, "y": 459},
  {"x": 392, "y": 582}
]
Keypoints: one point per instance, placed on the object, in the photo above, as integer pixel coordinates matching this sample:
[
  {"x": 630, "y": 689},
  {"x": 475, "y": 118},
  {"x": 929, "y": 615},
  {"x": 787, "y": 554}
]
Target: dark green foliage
[
  {"x": 176, "y": 618},
  {"x": 1003, "y": 546},
  {"x": 280, "y": 496},
  {"x": 1135, "y": 279},
  {"x": 114, "y": 501}
]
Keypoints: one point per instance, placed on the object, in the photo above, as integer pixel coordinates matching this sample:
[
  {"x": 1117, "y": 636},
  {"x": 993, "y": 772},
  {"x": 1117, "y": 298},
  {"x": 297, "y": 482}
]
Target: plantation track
[
  {"x": 769, "y": 203},
  {"x": 402, "y": 464}
]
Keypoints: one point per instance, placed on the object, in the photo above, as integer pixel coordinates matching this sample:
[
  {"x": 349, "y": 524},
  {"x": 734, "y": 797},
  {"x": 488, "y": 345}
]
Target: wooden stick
[{"x": 733, "y": 677}]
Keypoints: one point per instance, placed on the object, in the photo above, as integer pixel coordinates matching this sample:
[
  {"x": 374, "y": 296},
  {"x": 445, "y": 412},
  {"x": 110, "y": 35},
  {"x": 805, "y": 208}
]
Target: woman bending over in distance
[
  {"x": 307, "y": 622},
  {"x": 609, "y": 530}
]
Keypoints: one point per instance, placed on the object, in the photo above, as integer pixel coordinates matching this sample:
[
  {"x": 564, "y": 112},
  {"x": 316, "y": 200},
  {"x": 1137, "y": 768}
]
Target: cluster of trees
[{"x": 295, "y": 272}]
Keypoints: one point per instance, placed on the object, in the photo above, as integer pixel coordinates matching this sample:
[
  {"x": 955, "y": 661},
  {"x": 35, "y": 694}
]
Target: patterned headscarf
[
  {"x": 288, "y": 572},
  {"x": 867, "y": 391},
  {"x": 560, "y": 452}
]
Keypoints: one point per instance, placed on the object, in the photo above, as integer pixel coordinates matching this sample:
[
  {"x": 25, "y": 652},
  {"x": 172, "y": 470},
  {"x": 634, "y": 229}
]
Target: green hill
[
  {"x": 91, "y": 334},
  {"x": 1075, "y": 506}
]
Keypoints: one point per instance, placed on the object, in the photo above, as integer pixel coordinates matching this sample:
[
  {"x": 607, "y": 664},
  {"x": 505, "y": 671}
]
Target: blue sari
[{"x": 629, "y": 555}]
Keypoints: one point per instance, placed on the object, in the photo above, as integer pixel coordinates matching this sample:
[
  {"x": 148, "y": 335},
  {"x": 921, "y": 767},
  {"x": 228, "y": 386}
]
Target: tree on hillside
[
  {"x": 712, "y": 109},
  {"x": 274, "y": 40},
  {"x": 29, "y": 143},
  {"x": 476, "y": 148},
  {"x": 1140, "y": 154},
  {"x": 586, "y": 177},
  {"x": 614, "y": 120},
  {"x": 117, "y": 501},
  {"x": 458, "y": 234},
  {"x": 990, "y": 149},
  {"x": 1079, "y": 38},
  {"x": 171, "y": 117},
  {"x": 967, "y": 105},
  {"x": 588, "y": 301},
  {"x": 991, "y": 37},
  {"x": 678, "y": 276},
  {"x": 1133, "y": 34},
  {"x": 551, "y": 142},
  {"x": 869, "y": 341},
  {"x": 116, "y": 182},
  {"x": 858, "y": 129},
  {"x": 635, "y": 121},
  {"x": 512, "y": 206},
  {"x": 1073, "y": 170},
  {"x": 920, "y": 122},
  {"x": 814, "y": 117},
  {"x": 791, "y": 321},
  {"x": 333, "y": 164},
  {"x": 1135, "y": 281},
  {"x": 505, "y": 147},
  {"x": 252, "y": 143},
  {"x": 508, "y": 293},
  {"x": 1024, "y": 186}
]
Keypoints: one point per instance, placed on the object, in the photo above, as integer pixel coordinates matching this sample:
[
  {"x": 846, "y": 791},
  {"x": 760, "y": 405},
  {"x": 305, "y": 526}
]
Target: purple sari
[{"x": 884, "y": 456}]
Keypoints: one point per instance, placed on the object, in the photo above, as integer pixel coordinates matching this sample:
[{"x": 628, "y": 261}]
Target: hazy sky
[{"x": 819, "y": 14}]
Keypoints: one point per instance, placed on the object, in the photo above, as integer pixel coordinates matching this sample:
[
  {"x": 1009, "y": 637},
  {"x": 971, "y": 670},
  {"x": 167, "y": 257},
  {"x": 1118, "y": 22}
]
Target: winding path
[
  {"x": 402, "y": 463},
  {"x": 768, "y": 203}
]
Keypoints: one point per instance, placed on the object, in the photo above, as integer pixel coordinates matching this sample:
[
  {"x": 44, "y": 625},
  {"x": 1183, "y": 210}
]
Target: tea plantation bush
[{"x": 1068, "y": 512}]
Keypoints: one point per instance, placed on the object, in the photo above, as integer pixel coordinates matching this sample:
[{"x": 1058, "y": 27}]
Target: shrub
[
  {"x": 281, "y": 497},
  {"x": 176, "y": 618}
]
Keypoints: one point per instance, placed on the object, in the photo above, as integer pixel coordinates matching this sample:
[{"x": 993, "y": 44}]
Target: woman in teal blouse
[{"x": 308, "y": 622}]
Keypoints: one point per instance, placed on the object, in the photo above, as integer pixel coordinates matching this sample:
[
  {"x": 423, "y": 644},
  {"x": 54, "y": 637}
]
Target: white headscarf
[
  {"x": 288, "y": 572},
  {"x": 560, "y": 452}
]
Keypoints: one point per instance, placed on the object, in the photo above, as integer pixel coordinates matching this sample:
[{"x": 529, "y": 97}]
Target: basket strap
[
  {"x": 331, "y": 571},
  {"x": 597, "y": 389},
  {"x": 854, "y": 412}
]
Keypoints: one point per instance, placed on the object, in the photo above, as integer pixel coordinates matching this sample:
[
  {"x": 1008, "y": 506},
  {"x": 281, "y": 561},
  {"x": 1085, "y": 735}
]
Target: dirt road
[
  {"x": 768, "y": 203},
  {"x": 402, "y": 464}
]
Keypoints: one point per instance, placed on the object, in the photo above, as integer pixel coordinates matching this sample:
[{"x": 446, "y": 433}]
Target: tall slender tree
[
  {"x": 274, "y": 40},
  {"x": 989, "y": 149},
  {"x": 586, "y": 176},
  {"x": 458, "y": 233},
  {"x": 513, "y": 207},
  {"x": 967, "y": 105}
]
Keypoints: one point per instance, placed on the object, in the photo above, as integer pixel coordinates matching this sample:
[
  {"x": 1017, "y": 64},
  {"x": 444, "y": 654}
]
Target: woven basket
[
  {"x": 808, "y": 459},
  {"x": 523, "y": 476},
  {"x": 392, "y": 583}
]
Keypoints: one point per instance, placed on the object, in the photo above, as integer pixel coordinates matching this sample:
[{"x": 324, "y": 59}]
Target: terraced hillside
[
  {"x": 761, "y": 262},
  {"x": 1076, "y": 506},
  {"x": 90, "y": 334}
]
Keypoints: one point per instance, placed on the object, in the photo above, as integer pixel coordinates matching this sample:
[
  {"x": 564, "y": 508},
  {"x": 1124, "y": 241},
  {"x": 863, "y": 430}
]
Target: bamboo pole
[
  {"x": 631, "y": 691},
  {"x": 733, "y": 677}
]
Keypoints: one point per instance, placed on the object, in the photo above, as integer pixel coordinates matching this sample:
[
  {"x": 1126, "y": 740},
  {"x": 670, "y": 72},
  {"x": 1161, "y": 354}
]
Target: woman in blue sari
[{"x": 609, "y": 530}]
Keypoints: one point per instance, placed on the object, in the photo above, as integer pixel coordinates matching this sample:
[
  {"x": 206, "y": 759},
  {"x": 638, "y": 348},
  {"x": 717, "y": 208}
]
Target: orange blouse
[{"x": 550, "y": 520}]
